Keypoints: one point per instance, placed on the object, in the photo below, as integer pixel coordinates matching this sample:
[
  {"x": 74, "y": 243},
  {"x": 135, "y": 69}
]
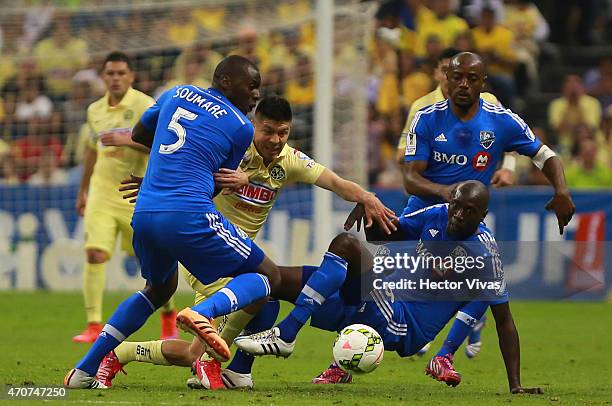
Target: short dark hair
[
  {"x": 118, "y": 56},
  {"x": 231, "y": 66},
  {"x": 448, "y": 53},
  {"x": 275, "y": 108}
]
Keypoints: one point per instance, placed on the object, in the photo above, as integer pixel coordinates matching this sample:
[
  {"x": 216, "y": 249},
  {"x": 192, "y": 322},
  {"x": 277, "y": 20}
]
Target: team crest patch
[
  {"x": 128, "y": 115},
  {"x": 277, "y": 172},
  {"x": 487, "y": 138}
]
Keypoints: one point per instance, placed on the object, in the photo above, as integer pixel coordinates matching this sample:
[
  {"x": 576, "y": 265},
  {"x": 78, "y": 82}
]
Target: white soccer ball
[{"x": 358, "y": 349}]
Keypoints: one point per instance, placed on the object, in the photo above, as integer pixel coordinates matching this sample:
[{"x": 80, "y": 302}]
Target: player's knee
[
  {"x": 346, "y": 246},
  {"x": 95, "y": 256}
]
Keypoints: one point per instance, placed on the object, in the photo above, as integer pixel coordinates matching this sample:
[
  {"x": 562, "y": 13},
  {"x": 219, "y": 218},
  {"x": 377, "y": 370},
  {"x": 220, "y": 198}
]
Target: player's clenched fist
[
  {"x": 564, "y": 208},
  {"x": 80, "y": 203}
]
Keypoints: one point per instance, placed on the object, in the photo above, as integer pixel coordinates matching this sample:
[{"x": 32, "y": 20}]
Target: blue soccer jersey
[
  {"x": 457, "y": 151},
  {"x": 406, "y": 326},
  {"x": 197, "y": 131}
]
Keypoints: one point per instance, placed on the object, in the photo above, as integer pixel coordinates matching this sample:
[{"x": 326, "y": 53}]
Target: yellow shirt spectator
[
  {"x": 587, "y": 110},
  {"x": 446, "y": 29},
  {"x": 59, "y": 62},
  {"x": 300, "y": 93},
  {"x": 414, "y": 86},
  {"x": 499, "y": 41},
  {"x": 600, "y": 176}
]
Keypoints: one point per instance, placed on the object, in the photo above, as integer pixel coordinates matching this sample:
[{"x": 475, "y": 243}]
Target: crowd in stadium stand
[{"x": 50, "y": 60}]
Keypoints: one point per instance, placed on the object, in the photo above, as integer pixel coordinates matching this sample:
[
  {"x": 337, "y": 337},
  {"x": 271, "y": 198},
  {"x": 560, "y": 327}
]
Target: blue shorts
[{"x": 207, "y": 244}]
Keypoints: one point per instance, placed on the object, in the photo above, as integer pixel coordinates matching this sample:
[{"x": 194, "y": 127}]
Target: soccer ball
[{"x": 358, "y": 349}]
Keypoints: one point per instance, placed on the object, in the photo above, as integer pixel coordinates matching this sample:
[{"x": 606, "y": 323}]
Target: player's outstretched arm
[
  {"x": 142, "y": 136},
  {"x": 90, "y": 161},
  {"x": 373, "y": 209},
  {"x": 417, "y": 185},
  {"x": 561, "y": 203},
  {"x": 510, "y": 347},
  {"x": 373, "y": 233}
]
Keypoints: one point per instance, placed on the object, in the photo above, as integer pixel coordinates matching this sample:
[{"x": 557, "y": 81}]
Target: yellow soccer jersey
[
  {"x": 114, "y": 164},
  {"x": 249, "y": 207},
  {"x": 430, "y": 98}
]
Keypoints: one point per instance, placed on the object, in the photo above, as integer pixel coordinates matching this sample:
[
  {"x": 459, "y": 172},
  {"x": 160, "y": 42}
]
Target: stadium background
[{"x": 383, "y": 56}]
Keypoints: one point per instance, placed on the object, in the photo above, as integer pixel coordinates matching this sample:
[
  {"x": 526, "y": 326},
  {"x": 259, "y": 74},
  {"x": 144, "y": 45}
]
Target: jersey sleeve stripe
[
  {"x": 442, "y": 105},
  {"x": 514, "y": 116},
  {"x": 424, "y": 209}
]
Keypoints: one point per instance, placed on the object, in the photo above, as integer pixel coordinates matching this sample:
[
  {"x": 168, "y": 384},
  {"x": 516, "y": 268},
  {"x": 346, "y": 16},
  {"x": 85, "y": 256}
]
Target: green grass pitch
[{"x": 566, "y": 349}]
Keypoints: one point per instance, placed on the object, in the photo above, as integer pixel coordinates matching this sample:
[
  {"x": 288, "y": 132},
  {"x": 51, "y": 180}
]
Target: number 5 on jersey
[{"x": 178, "y": 129}]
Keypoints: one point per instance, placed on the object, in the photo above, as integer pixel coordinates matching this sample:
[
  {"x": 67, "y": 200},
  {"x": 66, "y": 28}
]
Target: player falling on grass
[
  {"x": 268, "y": 166},
  {"x": 331, "y": 297},
  {"x": 464, "y": 138},
  {"x": 193, "y": 133},
  {"x": 110, "y": 156}
]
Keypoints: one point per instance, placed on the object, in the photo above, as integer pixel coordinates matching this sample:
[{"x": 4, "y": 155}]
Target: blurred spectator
[
  {"x": 598, "y": 82},
  {"x": 60, "y": 56},
  {"x": 573, "y": 20},
  {"x": 573, "y": 108},
  {"x": 586, "y": 172},
  {"x": 251, "y": 47},
  {"x": 384, "y": 67},
  {"x": 300, "y": 88},
  {"x": 463, "y": 42},
  {"x": 582, "y": 132},
  {"x": 495, "y": 44},
  {"x": 28, "y": 151},
  {"x": 32, "y": 103},
  {"x": 273, "y": 83},
  {"x": 443, "y": 24},
  {"x": 414, "y": 83},
  {"x": 37, "y": 20},
  {"x": 190, "y": 75},
  {"x": 49, "y": 173},
  {"x": 524, "y": 19},
  {"x": 182, "y": 30},
  {"x": 211, "y": 18},
  {"x": 280, "y": 55},
  {"x": 471, "y": 10},
  {"x": 91, "y": 75}
]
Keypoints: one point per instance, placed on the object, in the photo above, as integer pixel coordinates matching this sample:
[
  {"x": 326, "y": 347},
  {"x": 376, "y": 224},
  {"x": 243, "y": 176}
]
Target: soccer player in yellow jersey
[
  {"x": 505, "y": 175},
  {"x": 110, "y": 156},
  {"x": 250, "y": 192}
]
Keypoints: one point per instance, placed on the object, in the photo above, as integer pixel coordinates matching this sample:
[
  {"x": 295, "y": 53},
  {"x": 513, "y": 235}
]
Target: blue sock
[
  {"x": 322, "y": 283},
  {"x": 129, "y": 317},
  {"x": 465, "y": 320},
  {"x": 239, "y": 292},
  {"x": 265, "y": 318}
]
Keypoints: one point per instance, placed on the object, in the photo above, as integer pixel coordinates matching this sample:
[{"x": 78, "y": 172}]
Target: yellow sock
[
  {"x": 236, "y": 322},
  {"x": 94, "y": 280},
  {"x": 168, "y": 306},
  {"x": 146, "y": 351}
]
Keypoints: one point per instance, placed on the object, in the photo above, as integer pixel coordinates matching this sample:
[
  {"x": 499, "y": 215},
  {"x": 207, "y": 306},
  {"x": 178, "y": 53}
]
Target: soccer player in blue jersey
[
  {"x": 192, "y": 133},
  {"x": 333, "y": 301},
  {"x": 465, "y": 137}
]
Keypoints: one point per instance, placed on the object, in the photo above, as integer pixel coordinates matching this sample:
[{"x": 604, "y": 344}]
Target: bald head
[
  {"x": 239, "y": 80},
  {"x": 466, "y": 77},
  {"x": 467, "y": 208}
]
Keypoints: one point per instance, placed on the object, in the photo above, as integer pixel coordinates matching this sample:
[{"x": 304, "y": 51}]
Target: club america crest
[
  {"x": 487, "y": 138},
  {"x": 277, "y": 172}
]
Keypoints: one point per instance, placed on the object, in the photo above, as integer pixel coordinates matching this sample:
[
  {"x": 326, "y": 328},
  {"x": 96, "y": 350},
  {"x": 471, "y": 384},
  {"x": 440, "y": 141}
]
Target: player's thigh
[
  {"x": 101, "y": 228},
  {"x": 201, "y": 290},
  {"x": 157, "y": 260},
  {"x": 212, "y": 248}
]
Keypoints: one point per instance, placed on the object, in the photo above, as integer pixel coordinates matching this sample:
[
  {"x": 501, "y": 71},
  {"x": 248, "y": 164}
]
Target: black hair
[
  {"x": 232, "y": 66},
  {"x": 448, "y": 53},
  {"x": 275, "y": 108},
  {"x": 118, "y": 56}
]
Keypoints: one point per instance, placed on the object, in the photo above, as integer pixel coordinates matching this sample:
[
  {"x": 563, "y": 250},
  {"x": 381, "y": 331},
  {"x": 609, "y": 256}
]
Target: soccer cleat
[
  {"x": 194, "y": 382},
  {"x": 235, "y": 380},
  {"x": 77, "y": 379},
  {"x": 441, "y": 369},
  {"x": 194, "y": 323},
  {"x": 108, "y": 369},
  {"x": 168, "y": 325},
  {"x": 333, "y": 374},
  {"x": 423, "y": 350},
  {"x": 90, "y": 333},
  {"x": 267, "y": 342},
  {"x": 209, "y": 374},
  {"x": 472, "y": 348}
]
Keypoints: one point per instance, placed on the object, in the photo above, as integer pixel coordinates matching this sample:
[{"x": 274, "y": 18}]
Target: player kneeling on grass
[
  {"x": 330, "y": 294},
  {"x": 268, "y": 166}
]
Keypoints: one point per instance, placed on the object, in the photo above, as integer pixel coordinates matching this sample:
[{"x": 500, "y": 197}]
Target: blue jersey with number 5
[{"x": 197, "y": 131}]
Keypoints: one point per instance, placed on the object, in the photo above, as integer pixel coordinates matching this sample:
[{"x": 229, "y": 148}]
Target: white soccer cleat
[
  {"x": 77, "y": 379},
  {"x": 234, "y": 380},
  {"x": 194, "y": 383},
  {"x": 472, "y": 350},
  {"x": 267, "y": 342}
]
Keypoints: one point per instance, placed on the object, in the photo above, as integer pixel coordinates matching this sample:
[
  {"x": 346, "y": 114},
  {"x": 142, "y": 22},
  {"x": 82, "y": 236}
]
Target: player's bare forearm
[
  {"x": 88, "y": 164},
  {"x": 561, "y": 203},
  {"x": 509, "y": 344},
  {"x": 553, "y": 170},
  {"x": 416, "y": 184},
  {"x": 142, "y": 136},
  {"x": 139, "y": 147}
]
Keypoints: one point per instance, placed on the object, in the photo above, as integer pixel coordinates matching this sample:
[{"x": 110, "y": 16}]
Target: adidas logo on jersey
[
  {"x": 433, "y": 232},
  {"x": 441, "y": 138}
]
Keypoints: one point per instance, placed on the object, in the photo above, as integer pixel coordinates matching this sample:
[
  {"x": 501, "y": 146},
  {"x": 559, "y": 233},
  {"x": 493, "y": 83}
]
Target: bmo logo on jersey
[{"x": 452, "y": 159}]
